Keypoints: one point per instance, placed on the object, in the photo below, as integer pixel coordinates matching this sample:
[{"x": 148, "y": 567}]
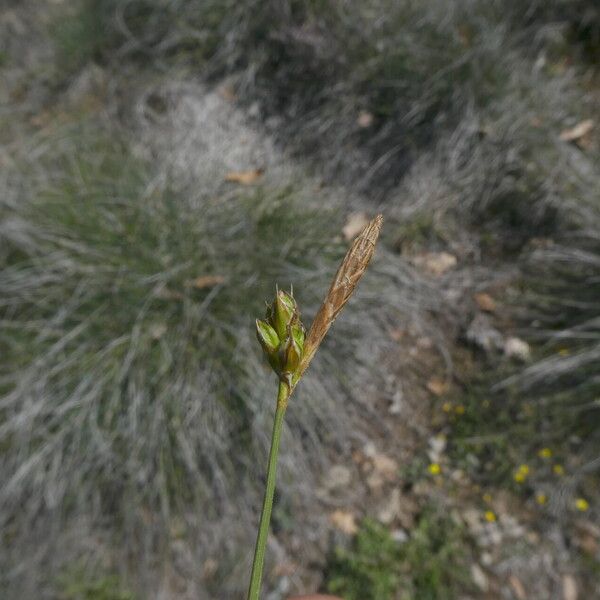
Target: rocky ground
[{"x": 423, "y": 459}]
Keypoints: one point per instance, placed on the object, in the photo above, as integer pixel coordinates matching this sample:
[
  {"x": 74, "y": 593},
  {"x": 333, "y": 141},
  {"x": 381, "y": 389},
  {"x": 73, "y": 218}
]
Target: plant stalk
[{"x": 265, "y": 517}]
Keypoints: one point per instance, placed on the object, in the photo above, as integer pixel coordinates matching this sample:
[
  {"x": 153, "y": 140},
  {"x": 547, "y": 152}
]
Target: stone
[
  {"x": 344, "y": 520},
  {"x": 397, "y": 403},
  {"x": 386, "y": 466},
  {"x": 483, "y": 335},
  {"x": 435, "y": 263},
  {"x": 355, "y": 223},
  {"x": 569, "y": 588},
  {"x": 338, "y": 477},
  {"x": 399, "y": 536},
  {"x": 485, "y": 302},
  {"x": 390, "y": 509},
  {"x": 479, "y": 577},
  {"x": 517, "y": 349}
]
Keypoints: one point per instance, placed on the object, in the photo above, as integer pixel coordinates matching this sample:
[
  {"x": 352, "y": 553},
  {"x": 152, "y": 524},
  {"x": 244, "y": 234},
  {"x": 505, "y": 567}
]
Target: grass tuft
[{"x": 132, "y": 390}]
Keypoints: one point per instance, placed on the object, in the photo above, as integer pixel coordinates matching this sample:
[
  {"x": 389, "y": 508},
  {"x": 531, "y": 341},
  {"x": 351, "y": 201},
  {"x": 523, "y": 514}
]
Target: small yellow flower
[
  {"x": 558, "y": 470},
  {"x": 487, "y": 498},
  {"x": 545, "y": 453},
  {"x": 521, "y": 474},
  {"x": 520, "y": 477},
  {"x": 541, "y": 498},
  {"x": 447, "y": 407},
  {"x": 434, "y": 469},
  {"x": 582, "y": 504},
  {"x": 460, "y": 410},
  {"x": 564, "y": 352},
  {"x": 490, "y": 516},
  {"x": 486, "y": 403}
]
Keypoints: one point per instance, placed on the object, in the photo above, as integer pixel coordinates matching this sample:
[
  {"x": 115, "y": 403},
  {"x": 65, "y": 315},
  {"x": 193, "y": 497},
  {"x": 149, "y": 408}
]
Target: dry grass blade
[{"x": 348, "y": 275}]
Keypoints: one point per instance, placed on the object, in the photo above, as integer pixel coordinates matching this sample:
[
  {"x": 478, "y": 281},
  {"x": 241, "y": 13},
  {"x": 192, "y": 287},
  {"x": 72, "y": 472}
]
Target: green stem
[{"x": 265, "y": 517}]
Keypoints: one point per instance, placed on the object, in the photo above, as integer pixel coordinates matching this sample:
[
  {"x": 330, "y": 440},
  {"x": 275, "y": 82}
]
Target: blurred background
[{"x": 164, "y": 163}]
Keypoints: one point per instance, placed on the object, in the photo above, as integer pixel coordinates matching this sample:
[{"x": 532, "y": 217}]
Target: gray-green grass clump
[
  {"x": 411, "y": 69},
  {"x": 132, "y": 396},
  {"x": 560, "y": 292},
  {"x": 322, "y": 63},
  {"x": 531, "y": 201}
]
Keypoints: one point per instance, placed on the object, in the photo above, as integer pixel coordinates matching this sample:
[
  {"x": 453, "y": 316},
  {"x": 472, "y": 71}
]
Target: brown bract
[{"x": 351, "y": 270}]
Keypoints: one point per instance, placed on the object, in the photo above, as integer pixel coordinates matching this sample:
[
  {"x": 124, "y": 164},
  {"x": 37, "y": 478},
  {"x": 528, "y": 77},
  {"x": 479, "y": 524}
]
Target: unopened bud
[
  {"x": 282, "y": 312},
  {"x": 281, "y": 335},
  {"x": 298, "y": 333},
  {"x": 290, "y": 354},
  {"x": 267, "y": 336}
]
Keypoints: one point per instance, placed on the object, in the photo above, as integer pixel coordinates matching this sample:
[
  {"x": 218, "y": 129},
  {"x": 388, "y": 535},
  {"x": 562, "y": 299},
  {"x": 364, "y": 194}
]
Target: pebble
[
  {"x": 338, "y": 477},
  {"x": 479, "y": 577},
  {"x": 517, "y": 349}
]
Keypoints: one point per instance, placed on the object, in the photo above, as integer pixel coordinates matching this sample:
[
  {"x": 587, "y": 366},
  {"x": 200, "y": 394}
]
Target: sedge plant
[{"x": 290, "y": 350}]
